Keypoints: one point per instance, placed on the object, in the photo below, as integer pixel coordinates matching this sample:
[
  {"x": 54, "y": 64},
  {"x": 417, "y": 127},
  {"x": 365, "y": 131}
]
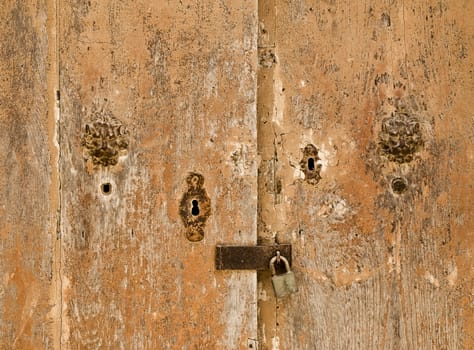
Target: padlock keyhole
[
  {"x": 311, "y": 164},
  {"x": 195, "y": 208}
]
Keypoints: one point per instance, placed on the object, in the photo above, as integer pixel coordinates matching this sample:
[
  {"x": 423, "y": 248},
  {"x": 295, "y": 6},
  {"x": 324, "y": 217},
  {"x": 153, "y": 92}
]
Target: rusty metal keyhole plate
[
  {"x": 309, "y": 164},
  {"x": 195, "y": 207}
]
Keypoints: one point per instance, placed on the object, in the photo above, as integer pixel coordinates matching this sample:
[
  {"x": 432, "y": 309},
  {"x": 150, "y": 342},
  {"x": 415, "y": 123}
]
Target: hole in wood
[
  {"x": 106, "y": 188},
  {"x": 399, "y": 185},
  {"x": 195, "y": 208}
]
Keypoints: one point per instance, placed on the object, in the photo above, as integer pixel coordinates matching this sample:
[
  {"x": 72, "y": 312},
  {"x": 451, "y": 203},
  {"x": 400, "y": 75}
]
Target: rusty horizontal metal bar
[{"x": 249, "y": 257}]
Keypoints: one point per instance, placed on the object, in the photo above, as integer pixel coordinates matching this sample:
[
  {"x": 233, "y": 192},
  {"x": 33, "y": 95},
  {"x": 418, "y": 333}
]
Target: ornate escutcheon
[
  {"x": 104, "y": 139},
  {"x": 195, "y": 207},
  {"x": 400, "y": 137}
]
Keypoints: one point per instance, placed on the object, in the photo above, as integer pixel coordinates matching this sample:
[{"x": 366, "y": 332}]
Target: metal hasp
[{"x": 249, "y": 257}]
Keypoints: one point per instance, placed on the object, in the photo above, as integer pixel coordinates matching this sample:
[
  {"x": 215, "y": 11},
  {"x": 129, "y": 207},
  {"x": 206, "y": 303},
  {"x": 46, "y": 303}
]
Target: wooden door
[
  {"x": 138, "y": 135},
  {"x": 108, "y": 240},
  {"x": 369, "y": 173},
  {"x": 158, "y": 165},
  {"x": 28, "y": 178}
]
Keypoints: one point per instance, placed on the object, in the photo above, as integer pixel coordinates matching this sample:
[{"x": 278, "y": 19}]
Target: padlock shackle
[{"x": 274, "y": 259}]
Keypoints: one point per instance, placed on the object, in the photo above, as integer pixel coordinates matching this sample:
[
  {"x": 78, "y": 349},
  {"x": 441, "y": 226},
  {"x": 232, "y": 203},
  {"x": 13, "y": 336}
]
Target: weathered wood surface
[
  {"x": 383, "y": 242},
  {"x": 151, "y": 92},
  {"x": 382, "y": 233},
  {"x": 28, "y": 177}
]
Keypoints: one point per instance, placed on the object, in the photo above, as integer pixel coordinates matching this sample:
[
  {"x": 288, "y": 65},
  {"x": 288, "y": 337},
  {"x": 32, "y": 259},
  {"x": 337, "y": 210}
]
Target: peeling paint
[
  {"x": 431, "y": 279},
  {"x": 453, "y": 276},
  {"x": 275, "y": 343}
]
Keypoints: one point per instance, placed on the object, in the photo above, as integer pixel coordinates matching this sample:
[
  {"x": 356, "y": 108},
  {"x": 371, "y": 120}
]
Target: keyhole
[
  {"x": 195, "y": 208},
  {"x": 106, "y": 188},
  {"x": 311, "y": 164}
]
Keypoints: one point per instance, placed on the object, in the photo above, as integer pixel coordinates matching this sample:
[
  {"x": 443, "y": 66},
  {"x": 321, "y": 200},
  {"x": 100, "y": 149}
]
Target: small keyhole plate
[
  {"x": 309, "y": 164},
  {"x": 195, "y": 207}
]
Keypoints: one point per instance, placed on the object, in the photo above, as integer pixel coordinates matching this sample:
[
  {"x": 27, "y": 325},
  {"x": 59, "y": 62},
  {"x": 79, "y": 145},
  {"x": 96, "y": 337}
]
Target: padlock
[{"x": 285, "y": 283}]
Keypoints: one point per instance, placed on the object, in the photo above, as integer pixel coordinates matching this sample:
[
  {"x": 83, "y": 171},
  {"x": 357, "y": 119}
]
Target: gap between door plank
[
  {"x": 268, "y": 185},
  {"x": 55, "y": 188}
]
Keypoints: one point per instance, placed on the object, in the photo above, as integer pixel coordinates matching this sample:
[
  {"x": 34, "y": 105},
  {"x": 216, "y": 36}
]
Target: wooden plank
[
  {"x": 269, "y": 186},
  {"x": 382, "y": 243},
  {"x": 158, "y": 111},
  {"x": 28, "y": 177}
]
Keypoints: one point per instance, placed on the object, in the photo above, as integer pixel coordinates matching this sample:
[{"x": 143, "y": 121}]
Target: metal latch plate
[{"x": 249, "y": 257}]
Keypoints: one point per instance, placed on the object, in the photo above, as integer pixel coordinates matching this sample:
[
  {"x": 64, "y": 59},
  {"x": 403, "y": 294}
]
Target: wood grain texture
[
  {"x": 365, "y": 154},
  {"x": 382, "y": 248},
  {"x": 151, "y": 92},
  {"x": 28, "y": 176}
]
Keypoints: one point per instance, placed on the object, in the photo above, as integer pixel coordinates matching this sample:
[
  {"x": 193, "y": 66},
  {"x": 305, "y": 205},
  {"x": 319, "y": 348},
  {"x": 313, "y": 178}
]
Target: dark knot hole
[
  {"x": 399, "y": 185},
  {"x": 106, "y": 188}
]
